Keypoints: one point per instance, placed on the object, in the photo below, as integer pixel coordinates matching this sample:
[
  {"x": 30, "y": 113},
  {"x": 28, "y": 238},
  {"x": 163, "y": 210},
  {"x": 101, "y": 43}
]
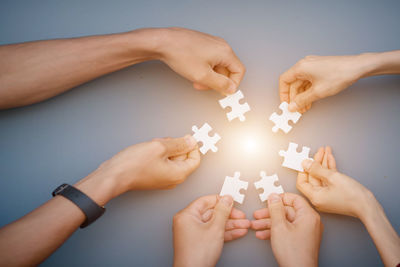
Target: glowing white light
[{"x": 250, "y": 144}]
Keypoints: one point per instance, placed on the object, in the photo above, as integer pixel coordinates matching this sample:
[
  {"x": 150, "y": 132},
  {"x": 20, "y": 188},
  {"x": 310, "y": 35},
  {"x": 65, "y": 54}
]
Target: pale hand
[
  {"x": 201, "y": 229},
  {"x": 294, "y": 227},
  {"x": 316, "y": 77},
  {"x": 159, "y": 164},
  {"x": 329, "y": 190}
]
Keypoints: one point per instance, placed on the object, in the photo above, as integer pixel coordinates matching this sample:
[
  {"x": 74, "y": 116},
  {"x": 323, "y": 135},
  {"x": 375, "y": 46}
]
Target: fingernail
[
  {"x": 307, "y": 164},
  {"x": 227, "y": 200},
  {"x": 293, "y": 107},
  {"x": 190, "y": 140},
  {"x": 231, "y": 88},
  {"x": 274, "y": 198}
]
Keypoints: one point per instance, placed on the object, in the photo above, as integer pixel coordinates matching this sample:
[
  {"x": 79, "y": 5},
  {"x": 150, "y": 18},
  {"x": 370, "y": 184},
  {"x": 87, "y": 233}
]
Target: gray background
[{"x": 65, "y": 138}]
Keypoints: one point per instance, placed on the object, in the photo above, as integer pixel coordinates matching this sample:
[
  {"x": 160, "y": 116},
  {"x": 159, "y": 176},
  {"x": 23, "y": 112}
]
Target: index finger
[
  {"x": 284, "y": 84},
  {"x": 261, "y": 214},
  {"x": 192, "y": 161},
  {"x": 298, "y": 203},
  {"x": 202, "y": 204},
  {"x": 236, "y": 69},
  {"x": 237, "y": 214}
]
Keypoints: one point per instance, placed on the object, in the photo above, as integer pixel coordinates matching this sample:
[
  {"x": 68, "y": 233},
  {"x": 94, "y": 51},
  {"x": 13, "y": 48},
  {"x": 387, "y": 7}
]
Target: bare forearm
[
  {"x": 31, "y": 239},
  {"x": 380, "y": 63},
  {"x": 384, "y": 236},
  {"x": 34, "y": 71}
]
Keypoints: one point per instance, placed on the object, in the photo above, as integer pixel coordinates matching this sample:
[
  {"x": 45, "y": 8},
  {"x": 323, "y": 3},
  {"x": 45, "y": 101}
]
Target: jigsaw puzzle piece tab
[
  {"x": 267, "y": 183},
  {"x": 232, "y": 187},
  {"x": 281, "y": 121},
  {"x": 201, "y": 135},
  {"x": 238, "y": 109},
  {"x": 293, "y": 159}
]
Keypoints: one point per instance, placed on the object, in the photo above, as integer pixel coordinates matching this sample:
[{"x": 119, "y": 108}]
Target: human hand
[
  {"x": 331, "y": 191},
  {"x": 208, "y": 61},
  {"x": 294, "y": 228},
  {"x": 202, "y": 227},
  {"x": 159, "y": 164},
  {"x": 316, "y": 77}
]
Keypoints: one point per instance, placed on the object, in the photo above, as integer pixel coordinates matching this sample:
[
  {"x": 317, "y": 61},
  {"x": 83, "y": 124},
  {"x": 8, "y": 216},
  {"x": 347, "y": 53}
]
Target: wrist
[
  {"x": 99, "y": 187},
  {"x": 374, "y": 63},
  {"x": 364, "y": 65},
  {"x": 369, "y": 207},
  {"x": 164, "y": 41},
  {"x": 144, "y": 44}
]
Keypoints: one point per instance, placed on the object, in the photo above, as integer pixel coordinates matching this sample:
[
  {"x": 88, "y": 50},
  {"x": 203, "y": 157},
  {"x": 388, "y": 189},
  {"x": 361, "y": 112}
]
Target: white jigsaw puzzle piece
[
  {"x": 232, "y": 187},
  {"x": 201, "y": 135},
  {"x": 268, "y": 184},
  {"x": 238, "y": 109},
  {"x": 293, "y": 159},
  {"x": 281, "y": 121}
]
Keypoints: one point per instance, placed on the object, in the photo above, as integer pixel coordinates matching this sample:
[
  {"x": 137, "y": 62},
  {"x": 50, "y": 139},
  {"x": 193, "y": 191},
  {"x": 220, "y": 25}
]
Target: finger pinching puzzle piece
[
  {"x": 237, "y": 109},
  {"x": 232, "y": 187},
  {"x": 201, "y": 135},
  {"x": 281, "y": 121},
  {"x": 268, "y": 184},
  {"x": 293, "y": 159}
]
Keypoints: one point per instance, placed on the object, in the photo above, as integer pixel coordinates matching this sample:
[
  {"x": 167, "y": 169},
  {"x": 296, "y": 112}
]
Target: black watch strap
[{"x": 90, "y": 208}]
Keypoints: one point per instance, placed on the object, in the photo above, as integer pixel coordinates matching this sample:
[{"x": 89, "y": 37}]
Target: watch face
[{"x": 59, "y": 189}]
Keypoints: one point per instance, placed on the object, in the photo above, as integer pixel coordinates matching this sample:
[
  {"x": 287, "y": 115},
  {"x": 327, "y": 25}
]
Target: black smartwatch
[{"x": 90, "y": 208}]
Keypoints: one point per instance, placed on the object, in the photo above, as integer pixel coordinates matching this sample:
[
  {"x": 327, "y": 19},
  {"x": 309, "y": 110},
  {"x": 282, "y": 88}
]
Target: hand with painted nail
[
  {"x": 208, "y": 61},
  {"x": 202, "y": 227},
  {"x": 333, "y": 192},
  {"x": 294, "y": 228}
]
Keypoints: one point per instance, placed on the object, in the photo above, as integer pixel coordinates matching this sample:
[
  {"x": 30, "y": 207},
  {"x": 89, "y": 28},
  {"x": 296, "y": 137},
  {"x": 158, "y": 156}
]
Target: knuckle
[
  {"x": 178, "y": 179},
  {"x": 302, "y": 63},
  {"x": 318, "y": 94},
  {"x": 242, "y": 68},
  {"x": 181, "y": 146},
  {"x": 333, "y": 176},
  {"x": 200, "y": 76},
  {"x": 158, "y": 146},
  {"x": 225, "y": 46},
  {"x": 225, "y": 83},
  {"x": 178, "y": 219}
]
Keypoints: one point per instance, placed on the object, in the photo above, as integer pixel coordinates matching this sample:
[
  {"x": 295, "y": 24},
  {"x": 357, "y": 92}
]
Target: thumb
[
  {"x": 276, "y": 210},
  {"x": 218, "y": 82},
  {"x": 222, "y": 211},
  {"x": 302, "y": 100},
  {"x": 179, "y": 146},
  {"x": 315, "y": 169}
]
